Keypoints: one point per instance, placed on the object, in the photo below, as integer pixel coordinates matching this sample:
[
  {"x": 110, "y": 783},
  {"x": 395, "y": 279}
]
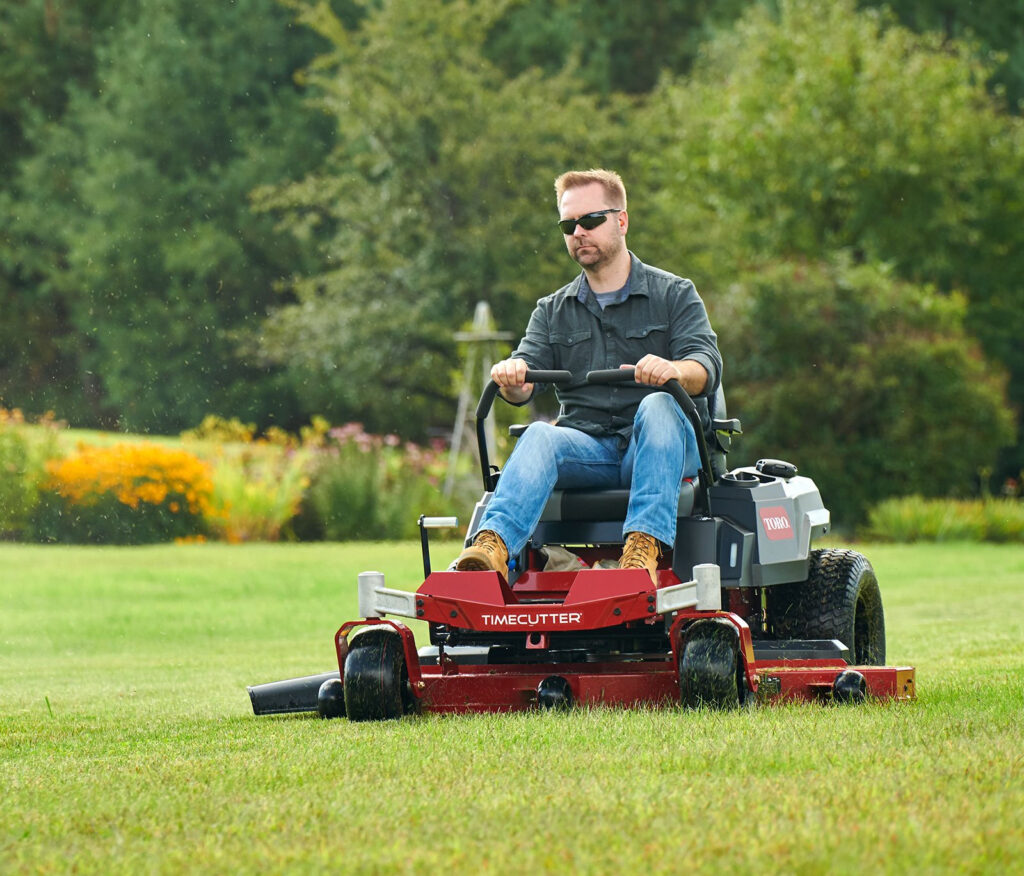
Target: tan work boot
[
  {"x": 641, "y": 551},
  {"x": 487, "y": 553}
]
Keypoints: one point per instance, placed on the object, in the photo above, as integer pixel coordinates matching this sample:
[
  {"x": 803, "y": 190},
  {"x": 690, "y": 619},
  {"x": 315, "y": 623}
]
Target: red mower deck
[{"x": 594, "y": 598}]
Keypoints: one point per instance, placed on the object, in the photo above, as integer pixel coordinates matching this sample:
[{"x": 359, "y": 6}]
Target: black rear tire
[
  {"x": 376, "y": 677},
  {"x": 709, "y": 666},
  {"x": 839, "y": 600}
]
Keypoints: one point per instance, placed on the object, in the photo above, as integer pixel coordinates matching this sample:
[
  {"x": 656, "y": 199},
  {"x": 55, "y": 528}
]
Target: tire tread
[{"x": 825, "y": 605}]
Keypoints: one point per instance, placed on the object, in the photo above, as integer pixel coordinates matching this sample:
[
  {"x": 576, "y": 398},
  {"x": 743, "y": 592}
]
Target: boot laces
[
  {"x": 640, "y": 550},
  {"x": 489, "y": 541}
]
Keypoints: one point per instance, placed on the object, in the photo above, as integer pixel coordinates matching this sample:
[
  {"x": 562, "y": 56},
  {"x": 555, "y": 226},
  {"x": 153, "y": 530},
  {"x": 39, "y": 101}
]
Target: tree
[
  {"x": 871, "y": 385},
  {"x": 45, "y": 46},
  {"x": 997, "y": 26},
  {"x": 158, "y": 263},
  {"x": 816, "y": 129},
  {"x": 47, "y": 49},
  {"x": 437, "y": 195},
  {"x": 611, "y": 47}
]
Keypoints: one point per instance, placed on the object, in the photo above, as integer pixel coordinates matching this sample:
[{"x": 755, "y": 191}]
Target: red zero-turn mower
[{"x": 744, "y": 611}]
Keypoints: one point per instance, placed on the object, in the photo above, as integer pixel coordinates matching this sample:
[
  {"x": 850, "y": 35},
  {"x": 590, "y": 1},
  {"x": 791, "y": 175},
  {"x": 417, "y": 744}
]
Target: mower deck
[
  {"x": 458, "y": 687},
  {"x": 497, "y": 678}
]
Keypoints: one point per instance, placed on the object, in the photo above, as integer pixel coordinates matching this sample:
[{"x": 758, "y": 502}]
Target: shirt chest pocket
[
  {"x": 648, "y": 339},
  {"x": 572, "y": 349}
]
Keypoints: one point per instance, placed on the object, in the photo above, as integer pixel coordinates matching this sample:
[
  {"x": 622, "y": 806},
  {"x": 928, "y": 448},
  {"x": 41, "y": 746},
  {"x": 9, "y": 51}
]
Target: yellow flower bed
[{"x": 136, "y": 475}]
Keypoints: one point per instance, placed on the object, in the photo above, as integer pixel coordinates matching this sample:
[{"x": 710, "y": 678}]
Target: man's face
[{"x": 599, "y": 246}]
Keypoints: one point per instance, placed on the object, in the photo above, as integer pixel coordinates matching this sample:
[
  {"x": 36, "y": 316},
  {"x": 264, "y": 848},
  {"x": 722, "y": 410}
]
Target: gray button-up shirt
[{"x": 663, "y": 315}]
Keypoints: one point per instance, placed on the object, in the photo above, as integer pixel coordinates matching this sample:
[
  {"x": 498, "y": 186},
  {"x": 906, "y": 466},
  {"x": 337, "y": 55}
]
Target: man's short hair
[{"x": 614, "y": 188}]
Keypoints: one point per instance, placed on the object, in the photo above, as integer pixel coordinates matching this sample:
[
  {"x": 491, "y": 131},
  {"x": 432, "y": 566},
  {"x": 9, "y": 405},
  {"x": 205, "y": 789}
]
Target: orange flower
[{"x": 135, "y": 474}]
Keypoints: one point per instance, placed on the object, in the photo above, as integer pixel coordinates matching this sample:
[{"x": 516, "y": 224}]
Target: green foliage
[
  {"x": 912, "y": 518},
  {"x": 998, "y": 26},
  {"x": 869, "y": 384},
  {"x": 123, "y": 494},
  {"x": 371, "y": 487},
  {"x": 48, "y": 49},
  {"x": 620, "y": 47},
  {"x": 135, "y": 280},
  {"x": 336, "y": 484},
  {"x": 45, "y": 47},
  {"x": 821, "y": 128},
  {"x": 220, "y": 430},
  {"x": 17, "y": 497},
  {"x": 24, "y": 451},
  {"x": 19, "y": 482},
  {"x": 812, "y": 129},
  {"x": 438, "y": 194},
  {"x": 157, "y": 263},
  {"x": 257, "y": 490},
  {"x": 108, "y": 521}
]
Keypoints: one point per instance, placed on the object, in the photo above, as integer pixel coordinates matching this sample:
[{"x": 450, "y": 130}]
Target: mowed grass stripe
[{"x": 148, "y": 759}]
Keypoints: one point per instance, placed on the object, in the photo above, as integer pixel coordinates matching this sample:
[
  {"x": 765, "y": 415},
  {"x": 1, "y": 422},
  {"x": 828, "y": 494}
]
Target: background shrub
[
  {"x": 917, "y": 519},
  {"x": 371, "y": 487},
  {"x": 17, "y": 494},
  {"x": 257, "y": 490},
  {"x": 868, "y": 384},
  {"x": 24, "y": 451},
  {"x": 124, "y": 494},
  {"x": 221, "y": 430},
  {"x": 258, "y": 480}
]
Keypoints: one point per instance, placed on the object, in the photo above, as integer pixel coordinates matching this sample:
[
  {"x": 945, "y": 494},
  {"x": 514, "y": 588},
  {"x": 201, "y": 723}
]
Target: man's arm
[
  {"x": 694, "y": 341},
  {"x": 534, "y": 351}
]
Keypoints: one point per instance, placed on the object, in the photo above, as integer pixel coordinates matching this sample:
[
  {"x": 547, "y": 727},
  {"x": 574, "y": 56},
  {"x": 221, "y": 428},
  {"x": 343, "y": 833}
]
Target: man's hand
[
  {"x": 510, "y": 375},
  {"x": 655, "y": 371}
]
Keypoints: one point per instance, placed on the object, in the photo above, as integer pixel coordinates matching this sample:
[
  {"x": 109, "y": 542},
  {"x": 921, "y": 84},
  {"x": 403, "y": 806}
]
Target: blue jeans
[{"x": 662, "y": 451}]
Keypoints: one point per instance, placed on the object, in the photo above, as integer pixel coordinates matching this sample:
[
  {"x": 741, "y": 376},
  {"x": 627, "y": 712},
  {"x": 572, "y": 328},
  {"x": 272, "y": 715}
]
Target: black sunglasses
[{"x": 588, "y": 222}]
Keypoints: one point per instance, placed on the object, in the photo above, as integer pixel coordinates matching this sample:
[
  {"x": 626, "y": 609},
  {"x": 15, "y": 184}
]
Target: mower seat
[{"x": 591, "y": 504}]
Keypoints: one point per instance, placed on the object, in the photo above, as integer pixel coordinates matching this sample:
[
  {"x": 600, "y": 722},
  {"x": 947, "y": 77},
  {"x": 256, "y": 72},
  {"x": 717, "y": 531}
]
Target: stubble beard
[{"x": 597, "y": 257}]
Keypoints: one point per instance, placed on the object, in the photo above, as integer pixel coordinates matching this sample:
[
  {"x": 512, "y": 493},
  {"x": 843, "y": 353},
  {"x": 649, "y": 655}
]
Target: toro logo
[{"x": 776, "y": 523}]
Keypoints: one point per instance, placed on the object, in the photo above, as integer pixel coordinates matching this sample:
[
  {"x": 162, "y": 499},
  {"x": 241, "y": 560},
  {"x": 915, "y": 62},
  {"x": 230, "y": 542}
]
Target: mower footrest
[
  {"x": 464, "y": 655},
  {"x": 801, "y": 649}
]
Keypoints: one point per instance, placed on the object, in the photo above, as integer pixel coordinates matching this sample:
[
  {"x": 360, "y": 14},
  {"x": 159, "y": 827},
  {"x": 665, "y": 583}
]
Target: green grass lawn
[{"x": 127, "y": 744}]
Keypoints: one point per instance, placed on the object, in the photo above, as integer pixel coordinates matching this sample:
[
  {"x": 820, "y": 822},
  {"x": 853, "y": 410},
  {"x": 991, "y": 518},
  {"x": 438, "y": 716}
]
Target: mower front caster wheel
[
  {"x": 376, "y": 677},
  {"x": 709, "y": 668}
]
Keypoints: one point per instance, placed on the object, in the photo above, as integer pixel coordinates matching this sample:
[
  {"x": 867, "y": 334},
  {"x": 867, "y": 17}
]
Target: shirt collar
[
  {"x": 637, "y": 281},
  {"x": 586, "y": 292}
]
